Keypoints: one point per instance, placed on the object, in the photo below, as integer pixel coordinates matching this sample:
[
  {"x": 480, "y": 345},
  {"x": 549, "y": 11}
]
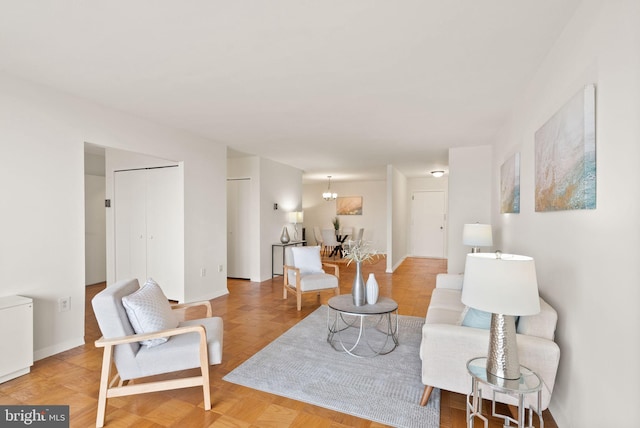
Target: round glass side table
[{"x": 528, "y": 383}]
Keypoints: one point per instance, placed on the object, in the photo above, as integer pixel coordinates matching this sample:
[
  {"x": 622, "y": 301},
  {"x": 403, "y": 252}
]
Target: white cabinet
[
  {"x": 149, "y": 227},
  {"x": 16, "y": 336}
]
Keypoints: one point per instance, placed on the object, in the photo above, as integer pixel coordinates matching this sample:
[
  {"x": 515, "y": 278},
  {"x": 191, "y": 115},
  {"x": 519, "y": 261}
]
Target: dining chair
[
  {"x": 317, "y": 234},
  {"x": 330, "y": 241}
]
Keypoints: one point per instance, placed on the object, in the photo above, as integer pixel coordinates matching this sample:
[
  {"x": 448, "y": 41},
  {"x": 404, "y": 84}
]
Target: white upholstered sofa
[{"x": 447, "y": 346}]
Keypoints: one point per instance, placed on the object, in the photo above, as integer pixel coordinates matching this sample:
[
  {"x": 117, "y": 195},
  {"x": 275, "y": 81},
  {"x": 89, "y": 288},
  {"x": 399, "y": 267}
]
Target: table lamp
[
  {"x": 477, "y": 235},
  {"x": 295, "y": 217},
  {"x": 504, "y": 285}
]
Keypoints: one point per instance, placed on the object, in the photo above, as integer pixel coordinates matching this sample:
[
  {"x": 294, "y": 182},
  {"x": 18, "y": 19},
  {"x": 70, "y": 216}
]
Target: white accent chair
[
  {"x": 191, "y": 344},
  {"x": 304, "y": 273},
  {"x": 447, "y": 345}
]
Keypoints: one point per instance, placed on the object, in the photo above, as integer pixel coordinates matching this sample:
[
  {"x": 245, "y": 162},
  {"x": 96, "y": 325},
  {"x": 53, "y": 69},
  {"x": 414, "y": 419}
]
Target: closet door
[
  {"x": 165, "y": 229},
  {"x": 149, "y": 228},
  {"x": 130, "y": 225},
  {"x": 238, "y": 229}
]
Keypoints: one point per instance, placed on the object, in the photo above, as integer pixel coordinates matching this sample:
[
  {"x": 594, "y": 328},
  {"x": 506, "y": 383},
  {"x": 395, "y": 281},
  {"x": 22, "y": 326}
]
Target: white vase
[{"x": 373, "y": 290}]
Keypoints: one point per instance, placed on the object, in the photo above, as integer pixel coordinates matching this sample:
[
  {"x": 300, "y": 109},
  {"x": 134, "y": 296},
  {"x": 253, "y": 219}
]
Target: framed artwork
[
  {"x": 565, "y": 155},
  {"x": 510, "y": 185},
  {"x": 349, "y": 205}
]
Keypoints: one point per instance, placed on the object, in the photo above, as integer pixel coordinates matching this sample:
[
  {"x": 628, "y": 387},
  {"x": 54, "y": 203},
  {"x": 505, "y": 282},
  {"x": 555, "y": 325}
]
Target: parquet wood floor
[{"x": 254, "y": 315}]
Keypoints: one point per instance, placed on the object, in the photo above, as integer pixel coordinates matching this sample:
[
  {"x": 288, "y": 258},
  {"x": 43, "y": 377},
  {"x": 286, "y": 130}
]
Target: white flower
[{"x": 359, "y": 251}]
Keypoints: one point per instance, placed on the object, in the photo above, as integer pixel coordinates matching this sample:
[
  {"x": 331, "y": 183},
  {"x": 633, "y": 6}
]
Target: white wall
[
  {"x": 470, "y": 192},
  {"x": 318, "y": 212},
  {"x": 42, "y": 215},
  {"x": 397, "y": 220},
  {"x": 587, "y": 260},
  {"x": 279, "y": 184},
  {"x": 95, "y": 229},
  {"x": 271, "y": 182}
]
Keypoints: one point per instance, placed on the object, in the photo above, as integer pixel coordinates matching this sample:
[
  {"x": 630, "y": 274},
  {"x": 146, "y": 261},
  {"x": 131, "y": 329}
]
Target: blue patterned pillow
[{"x": 477, "y": 319}]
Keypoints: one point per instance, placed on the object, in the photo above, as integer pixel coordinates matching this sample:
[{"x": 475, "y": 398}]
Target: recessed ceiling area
[{"x": 330, "y": 87}]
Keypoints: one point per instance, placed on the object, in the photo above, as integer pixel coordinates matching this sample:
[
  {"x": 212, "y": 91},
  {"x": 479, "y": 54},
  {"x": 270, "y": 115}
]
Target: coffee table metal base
[{"x": 362, "y": 331}]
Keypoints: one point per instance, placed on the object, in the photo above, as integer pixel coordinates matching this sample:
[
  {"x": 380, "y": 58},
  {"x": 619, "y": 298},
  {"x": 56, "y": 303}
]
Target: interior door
[
  {"x": 165, "y": 225},
  {"x": 130, "y": 211},
  {"x": 238, "y": 229},
  {"x": 428, "y": 224},
  {"x": 149, "y": 227}
]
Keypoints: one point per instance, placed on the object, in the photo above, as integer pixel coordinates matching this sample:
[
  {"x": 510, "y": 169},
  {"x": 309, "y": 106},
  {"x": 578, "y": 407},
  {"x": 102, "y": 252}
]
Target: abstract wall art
[
  {"x": 565, "y": 156},
  {"x": 510, "y": 185},
  {"x": 349, "y": 205}
]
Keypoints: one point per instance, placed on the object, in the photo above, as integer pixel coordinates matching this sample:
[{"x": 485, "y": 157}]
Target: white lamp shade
[
  {"x": 505, "y": 285},
  {"x": 296, "y": 217},
  {"x": 477, "y": 235}
]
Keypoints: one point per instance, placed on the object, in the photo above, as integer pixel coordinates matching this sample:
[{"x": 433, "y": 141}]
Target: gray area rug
[{"x": 301, "y": 365}]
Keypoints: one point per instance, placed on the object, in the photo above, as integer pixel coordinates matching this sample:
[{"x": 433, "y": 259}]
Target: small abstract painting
[
  {"x": 510, "y": 185},
  {"x": 565, "y": 154},
  {"x": 349, "y": 205}
]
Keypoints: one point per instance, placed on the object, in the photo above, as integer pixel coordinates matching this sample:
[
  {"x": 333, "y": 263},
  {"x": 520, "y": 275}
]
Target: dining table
[{"x": 339, "y": 249}]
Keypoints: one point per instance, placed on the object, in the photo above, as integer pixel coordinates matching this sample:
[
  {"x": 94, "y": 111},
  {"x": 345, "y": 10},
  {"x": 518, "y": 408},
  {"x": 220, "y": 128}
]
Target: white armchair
[
  {"x": 447, "y": 346},
  {"x": 144, "y": 336},
  {"x": 304, "y": 273}
]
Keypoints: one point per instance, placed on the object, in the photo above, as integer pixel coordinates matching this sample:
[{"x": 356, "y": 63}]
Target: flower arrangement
[{"x": 360, "y": 252}]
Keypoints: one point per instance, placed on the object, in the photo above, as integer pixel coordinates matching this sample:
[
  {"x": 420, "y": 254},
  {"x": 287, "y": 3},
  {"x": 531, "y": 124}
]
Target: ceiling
[{"x": 339, "y": 88}]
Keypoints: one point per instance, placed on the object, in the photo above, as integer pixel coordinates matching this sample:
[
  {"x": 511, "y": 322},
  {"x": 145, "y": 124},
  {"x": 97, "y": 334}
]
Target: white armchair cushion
[
  {"x": 148, "y": 310},
  {"x": 307, "y": 259}
]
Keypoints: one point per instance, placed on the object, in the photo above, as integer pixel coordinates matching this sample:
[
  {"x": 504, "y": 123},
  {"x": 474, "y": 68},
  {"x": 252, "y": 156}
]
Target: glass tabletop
[{"x": 529, "y": 381}]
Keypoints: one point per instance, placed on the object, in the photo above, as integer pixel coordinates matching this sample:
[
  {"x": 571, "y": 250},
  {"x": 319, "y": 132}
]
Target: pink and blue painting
[{"x": 565, "y": 155}]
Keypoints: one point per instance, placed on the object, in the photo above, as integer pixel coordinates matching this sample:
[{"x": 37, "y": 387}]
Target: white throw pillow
[
  {"x": 149, "y": 310},
  {"x": 307, "y": 259}
]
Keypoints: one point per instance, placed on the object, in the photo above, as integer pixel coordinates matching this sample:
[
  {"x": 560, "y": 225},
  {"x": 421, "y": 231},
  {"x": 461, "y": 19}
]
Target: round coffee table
[{"x": 362, "y": 331}]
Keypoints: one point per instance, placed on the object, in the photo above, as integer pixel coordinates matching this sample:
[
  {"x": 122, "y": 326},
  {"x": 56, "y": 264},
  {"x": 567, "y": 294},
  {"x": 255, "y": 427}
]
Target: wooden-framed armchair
[
  {"x": 123, "y": 309},
  {"x": 304, "y": 273}
]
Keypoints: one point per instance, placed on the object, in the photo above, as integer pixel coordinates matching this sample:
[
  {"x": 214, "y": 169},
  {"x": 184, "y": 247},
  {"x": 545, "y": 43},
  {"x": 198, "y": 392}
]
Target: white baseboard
[{"x": 57, "y": 348}]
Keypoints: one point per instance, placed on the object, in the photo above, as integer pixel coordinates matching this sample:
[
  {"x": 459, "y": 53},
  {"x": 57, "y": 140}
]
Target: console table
[{"x": 283, "y": 246}]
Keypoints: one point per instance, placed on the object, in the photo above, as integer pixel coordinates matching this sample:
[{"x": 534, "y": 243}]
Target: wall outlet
[
  {"x": 203, "y": 272},
  {"x": 64, "y": 304},
  {"x": 220, "y": 267}
]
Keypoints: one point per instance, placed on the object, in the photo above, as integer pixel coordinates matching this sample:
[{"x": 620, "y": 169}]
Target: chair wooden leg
[
  {"x": 204, "y": 367},
  {"x": 104, "y": 385},
  {"x": 425, "y": 395},
  {"x": 299, "y": 299}
]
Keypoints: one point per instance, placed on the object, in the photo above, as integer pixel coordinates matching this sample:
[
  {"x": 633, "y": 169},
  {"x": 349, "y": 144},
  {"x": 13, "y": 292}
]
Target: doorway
[{"x": 428, "y": 224}]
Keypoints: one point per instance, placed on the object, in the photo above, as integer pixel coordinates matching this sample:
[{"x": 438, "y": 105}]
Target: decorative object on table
[
  {"x": 565, "y": 154},
  {"x": 359, "y": 252},
  {"x": 506, "y": 286},
  {"x": 329, "y": 195},
  {"x": 336, "y": 223},
  {"x": 358, "y": 290},
  {"x": 510, "y": 185},
  {"x": 349, "y": 205},
  {"x": 295, "y": 218},
  {"x": 284, "y": 236},
  {"x": 373, "y": 290},
  {"x": 477, "y": 235}
]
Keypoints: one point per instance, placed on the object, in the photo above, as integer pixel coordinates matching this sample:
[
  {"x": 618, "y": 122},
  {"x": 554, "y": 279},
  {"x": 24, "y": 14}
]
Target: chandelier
[{"x": 328, "y": 195}]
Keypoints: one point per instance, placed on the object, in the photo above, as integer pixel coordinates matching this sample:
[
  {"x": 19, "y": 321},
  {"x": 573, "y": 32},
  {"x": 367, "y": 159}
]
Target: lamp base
[{"x": 502, "y": 359}]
